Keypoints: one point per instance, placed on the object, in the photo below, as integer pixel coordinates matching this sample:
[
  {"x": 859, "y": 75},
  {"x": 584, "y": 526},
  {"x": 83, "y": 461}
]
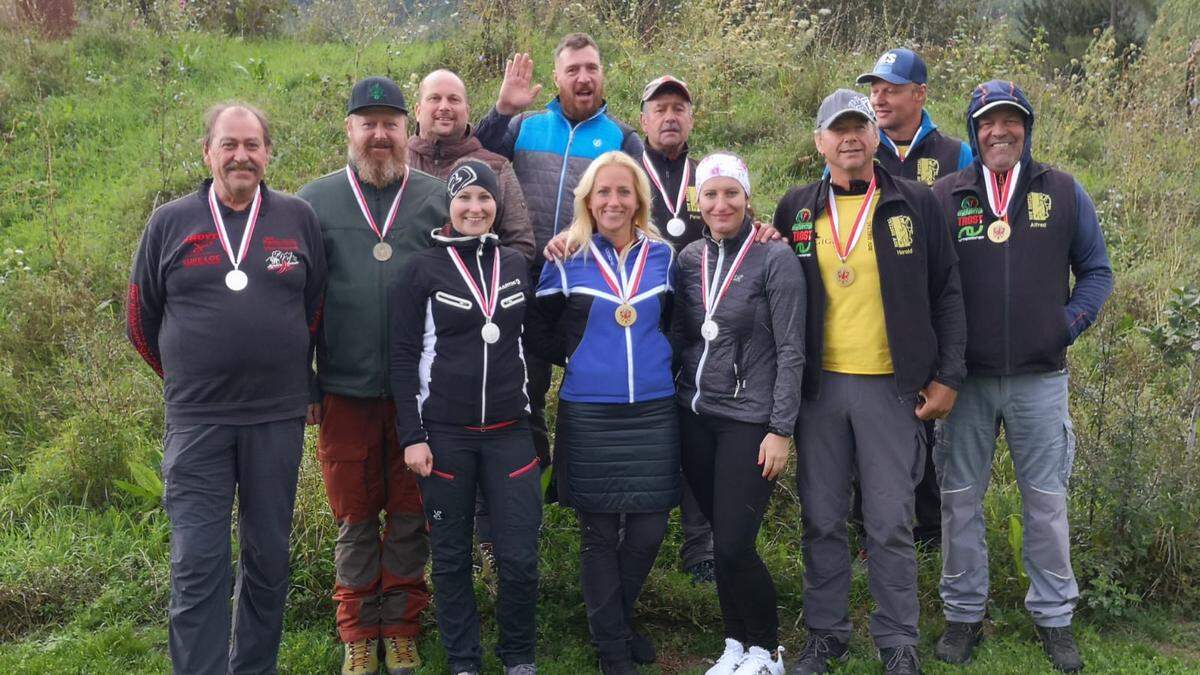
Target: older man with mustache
[
  {"x": 374, "y": 213},
  {"x": 224, "y": 298}
]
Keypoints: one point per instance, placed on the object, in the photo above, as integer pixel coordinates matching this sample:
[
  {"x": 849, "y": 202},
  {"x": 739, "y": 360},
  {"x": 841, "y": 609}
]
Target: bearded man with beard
[{"x": 374, "y": 213}]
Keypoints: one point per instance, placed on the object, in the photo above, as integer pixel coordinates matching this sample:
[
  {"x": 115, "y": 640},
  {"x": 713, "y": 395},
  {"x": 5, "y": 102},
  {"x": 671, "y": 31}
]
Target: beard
[{"x": 377, "y": 172}]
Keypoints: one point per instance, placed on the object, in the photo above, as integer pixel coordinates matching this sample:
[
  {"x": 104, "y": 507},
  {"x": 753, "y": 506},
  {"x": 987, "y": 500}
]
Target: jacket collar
[
  {"x": 659, "y": 159},
  {"x": 927, "y": 126},
  {"x": 603, "y": 243},
  {"x": 884, "y": 183},
  {"x": 446, "y": 236},
  {"x": 972, "y": 177},
  {"x": 448, "y": 149}
]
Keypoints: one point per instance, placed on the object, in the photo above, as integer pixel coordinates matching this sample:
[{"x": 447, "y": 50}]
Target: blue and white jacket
[
  {"x": 575, "y": 324},
  {"x": 550, "y": 153}
]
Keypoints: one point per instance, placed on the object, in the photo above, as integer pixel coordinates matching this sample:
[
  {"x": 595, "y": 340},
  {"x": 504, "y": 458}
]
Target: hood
[{"x": 989, "y": 95}]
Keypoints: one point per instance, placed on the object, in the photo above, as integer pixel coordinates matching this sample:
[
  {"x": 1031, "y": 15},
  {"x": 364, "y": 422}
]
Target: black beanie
[{"x": 475, "y": 172}]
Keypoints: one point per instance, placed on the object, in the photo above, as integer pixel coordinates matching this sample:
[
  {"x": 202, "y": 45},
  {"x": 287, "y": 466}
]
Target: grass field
[{"x": 99, "y": 130}]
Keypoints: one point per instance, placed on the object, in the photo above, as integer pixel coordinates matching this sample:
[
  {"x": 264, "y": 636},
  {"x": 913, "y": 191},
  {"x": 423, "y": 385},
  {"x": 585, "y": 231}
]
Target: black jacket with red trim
[
  {"x": 442, "y": 369},
  {"x": 228, "y": 357}
]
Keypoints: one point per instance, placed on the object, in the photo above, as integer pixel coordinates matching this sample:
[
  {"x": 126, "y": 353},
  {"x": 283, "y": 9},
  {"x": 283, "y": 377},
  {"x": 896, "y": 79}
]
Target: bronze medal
[
  {"x": 999, "y": 232},
  {"x": 844, "y": 275},
  {"x": 625, "y": 315}
]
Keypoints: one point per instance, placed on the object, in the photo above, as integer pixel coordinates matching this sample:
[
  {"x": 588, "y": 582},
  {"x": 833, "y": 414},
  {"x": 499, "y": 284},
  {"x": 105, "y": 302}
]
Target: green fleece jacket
[{"x": 353, "y": 340}]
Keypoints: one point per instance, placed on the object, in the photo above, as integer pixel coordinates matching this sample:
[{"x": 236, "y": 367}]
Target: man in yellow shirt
[{"x": 886, "y": 333}]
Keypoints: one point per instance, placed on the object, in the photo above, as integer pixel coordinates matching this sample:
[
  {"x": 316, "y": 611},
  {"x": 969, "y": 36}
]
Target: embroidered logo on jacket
[
  {"x": 1039, "y": 208},
  {"x": 901, "y": 228},
  {"x": 970, "y": 220},
  {"x": 803, "y": 233},
  {"x": 927, "y": 170},
  {"x": 200, "y": 255},
  {"x": 281, "y": 262}
]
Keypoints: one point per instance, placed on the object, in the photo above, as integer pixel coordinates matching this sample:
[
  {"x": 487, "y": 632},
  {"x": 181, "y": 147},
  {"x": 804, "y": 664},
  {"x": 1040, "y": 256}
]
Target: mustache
[{"x": 240, "y": 166}]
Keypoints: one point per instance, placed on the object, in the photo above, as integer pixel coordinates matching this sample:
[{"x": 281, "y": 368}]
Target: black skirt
[{"x": 618, "y": 457}]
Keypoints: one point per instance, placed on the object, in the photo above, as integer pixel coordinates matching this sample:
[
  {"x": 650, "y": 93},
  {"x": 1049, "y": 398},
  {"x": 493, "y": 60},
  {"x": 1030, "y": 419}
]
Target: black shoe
[
  {"x": 642, "y": 649},
  {"x": 958, "y": 642},
  {"x": 900, "y": 660},
  {"x": 818, "y": 651},
  {"x": 703, "y": 572},
  {"x": 1059, "y": 644},
  {"x": 617, "y": 666}
]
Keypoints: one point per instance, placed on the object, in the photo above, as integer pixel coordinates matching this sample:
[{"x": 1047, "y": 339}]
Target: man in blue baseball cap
[
  {"x": 1022, "y": 229},
  {"x": 910, "y": 145}
]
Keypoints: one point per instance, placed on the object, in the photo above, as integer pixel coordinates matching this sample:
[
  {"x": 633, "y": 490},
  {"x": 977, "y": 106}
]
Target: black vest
[
  {"x": 1015, "y": 292},
  {"x": 670, "y": 173},
  {"x": 933, "y": 157}
]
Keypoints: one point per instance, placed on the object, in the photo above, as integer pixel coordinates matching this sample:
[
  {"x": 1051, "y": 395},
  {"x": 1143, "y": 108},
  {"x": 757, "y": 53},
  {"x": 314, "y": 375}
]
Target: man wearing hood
[
  {"x": 443, "y": 137},
  {"x": 550, "y": 149},
  {"x": 1021, "y": 230}
]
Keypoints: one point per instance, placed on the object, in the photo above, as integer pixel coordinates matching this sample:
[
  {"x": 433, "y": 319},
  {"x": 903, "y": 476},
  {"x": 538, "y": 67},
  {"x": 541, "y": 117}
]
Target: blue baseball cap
[{"x": 898, "y": 66}]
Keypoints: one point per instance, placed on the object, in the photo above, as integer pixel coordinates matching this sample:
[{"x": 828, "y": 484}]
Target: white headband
[{"x": 724, "y": 164}]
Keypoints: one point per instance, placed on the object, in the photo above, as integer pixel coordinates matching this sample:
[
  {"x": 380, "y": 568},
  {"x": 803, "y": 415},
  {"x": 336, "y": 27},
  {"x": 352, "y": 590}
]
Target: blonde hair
[{"x": 583, "y": 226}]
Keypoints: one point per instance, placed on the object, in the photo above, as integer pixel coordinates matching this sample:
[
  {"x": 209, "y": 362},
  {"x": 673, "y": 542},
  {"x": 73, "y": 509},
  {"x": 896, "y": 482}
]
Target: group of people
[{"x": 880, "y": 325}]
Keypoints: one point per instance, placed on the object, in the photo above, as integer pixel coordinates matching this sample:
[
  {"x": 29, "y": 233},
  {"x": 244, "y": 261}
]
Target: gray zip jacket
[{"x": 750, "y": 371}]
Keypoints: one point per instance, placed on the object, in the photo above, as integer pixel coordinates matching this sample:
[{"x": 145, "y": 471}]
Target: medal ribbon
[
  {"x": 856, "y": 230},
  {"x": 219, "y": 224},
  {"x": 622, "y": 291},
  {"x": 708, "y": 291},
  {"x": 362, "y": 203},
  {"x": 487, "y": 303},
  {"x": 998, "y": 196},
  {"x": 683, "y": 185}
]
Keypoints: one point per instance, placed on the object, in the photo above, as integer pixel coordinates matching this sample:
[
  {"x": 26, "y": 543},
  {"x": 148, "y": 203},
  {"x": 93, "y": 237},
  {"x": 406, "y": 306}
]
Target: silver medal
[
  {"x": 490, "y": 333},
  {"x": 709, "y": 330},
  {"x": 382, "y": 251},
  {"x": 236, "y": 280},
  {"x": 676, "y": 227}
]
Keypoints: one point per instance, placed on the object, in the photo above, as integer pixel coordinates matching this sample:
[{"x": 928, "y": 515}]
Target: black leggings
[{"x": 720, "y": 462}]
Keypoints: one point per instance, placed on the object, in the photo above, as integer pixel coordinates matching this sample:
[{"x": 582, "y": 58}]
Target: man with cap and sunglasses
[
  {"x": 885, "y": 335},
  {"x": 1021, "y": 229},
  {"x": 375, "y": 212}
]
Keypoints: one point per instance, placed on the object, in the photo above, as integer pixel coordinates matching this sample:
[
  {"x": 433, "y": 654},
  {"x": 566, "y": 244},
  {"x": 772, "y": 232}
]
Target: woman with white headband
[{"x": 739, "y": 321}]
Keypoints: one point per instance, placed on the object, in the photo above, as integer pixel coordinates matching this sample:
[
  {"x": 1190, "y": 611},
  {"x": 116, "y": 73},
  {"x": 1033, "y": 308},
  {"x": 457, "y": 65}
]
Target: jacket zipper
[
  {"x": 628, "y": 332},
  {"x": 704, "y": 354},
  {"x": 483, "y": 392},
  {"x": 562, "y": 171}
]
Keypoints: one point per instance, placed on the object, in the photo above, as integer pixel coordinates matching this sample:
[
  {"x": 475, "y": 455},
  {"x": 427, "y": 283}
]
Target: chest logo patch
[
  {"x": 1039, "y": 208},
  {"x": 597, "y": 143},
  {"x": 970, "y": 219},
  {"x": 901, "y": 228},
  {"x": 803, "y": 233},
  {"x": 927, "y": 170},
  {"x": 281, "y": 262}
]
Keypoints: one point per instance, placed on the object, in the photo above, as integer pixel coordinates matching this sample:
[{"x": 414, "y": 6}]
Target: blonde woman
[{"x": 600, "y": 314}]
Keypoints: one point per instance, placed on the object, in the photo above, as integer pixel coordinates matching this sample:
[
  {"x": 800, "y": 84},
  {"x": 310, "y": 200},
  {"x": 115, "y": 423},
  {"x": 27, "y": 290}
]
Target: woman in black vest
[{"x": 458, "y": 379}]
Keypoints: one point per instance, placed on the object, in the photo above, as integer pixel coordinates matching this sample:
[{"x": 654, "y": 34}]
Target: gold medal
[
  {"x": 625, "y": 315},
  {"x": 844, "y": 275},
  {"x": 999, "y": 232}
]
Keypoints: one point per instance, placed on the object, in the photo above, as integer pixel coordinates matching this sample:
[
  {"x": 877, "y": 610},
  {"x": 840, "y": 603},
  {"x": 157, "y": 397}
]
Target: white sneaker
[
  {"x": 759, "y": 661},
  {"x": 730, "y": 659}
]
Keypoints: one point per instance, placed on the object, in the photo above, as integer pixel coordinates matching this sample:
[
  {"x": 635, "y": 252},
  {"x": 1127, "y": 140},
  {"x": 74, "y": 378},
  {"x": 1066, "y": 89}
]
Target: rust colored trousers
[{"x": 380, "y": 589}]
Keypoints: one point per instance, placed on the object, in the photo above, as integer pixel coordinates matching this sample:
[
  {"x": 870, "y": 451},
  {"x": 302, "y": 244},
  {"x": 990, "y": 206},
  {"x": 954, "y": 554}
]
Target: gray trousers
[
  {"x": 697, "y": 544},
  {"x": 203, "y": 466},
  {"x": 1033, "y": 409},
  {"x": 860, "y": 424}
]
